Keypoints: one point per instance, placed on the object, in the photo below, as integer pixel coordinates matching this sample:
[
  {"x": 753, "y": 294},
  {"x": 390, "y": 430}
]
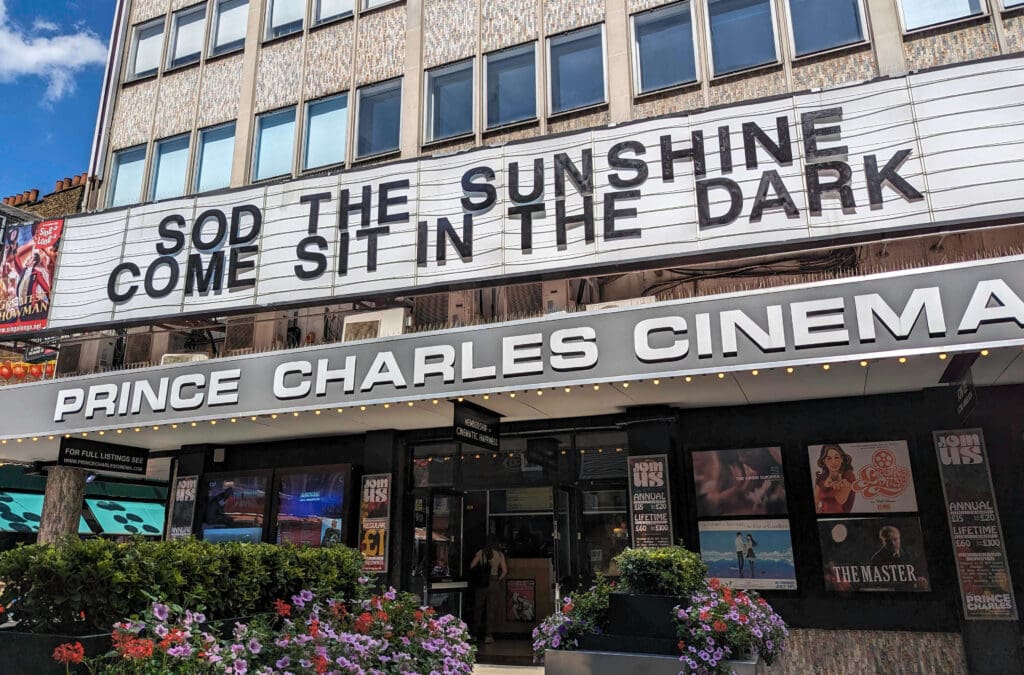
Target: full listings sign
[
  {"x": 978, "y": 543},
  {"x": 374, "y": 521},
  {"x": 650, "y": 504},
  {"x": 816, "y": 166},
  {"x": 85, "y": 454}
]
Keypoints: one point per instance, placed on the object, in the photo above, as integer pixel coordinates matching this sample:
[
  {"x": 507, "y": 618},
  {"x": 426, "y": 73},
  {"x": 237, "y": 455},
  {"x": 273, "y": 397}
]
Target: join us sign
[{"x": 911, "y": 153}]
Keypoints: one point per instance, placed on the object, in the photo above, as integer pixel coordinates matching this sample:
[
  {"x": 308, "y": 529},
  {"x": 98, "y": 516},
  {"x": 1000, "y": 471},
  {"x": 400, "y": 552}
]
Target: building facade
[{"x": 576, "y": 275}]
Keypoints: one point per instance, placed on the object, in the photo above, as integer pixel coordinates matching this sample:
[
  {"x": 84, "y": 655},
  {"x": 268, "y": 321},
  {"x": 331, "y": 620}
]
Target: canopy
[
  {"x": 21, "y": 511},
  {"x": 122, "y": 517}
]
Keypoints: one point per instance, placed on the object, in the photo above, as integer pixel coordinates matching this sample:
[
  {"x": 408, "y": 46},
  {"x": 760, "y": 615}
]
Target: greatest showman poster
[
  {"x": 27, "y": 267},
  {"x": 862, "y": 478}
]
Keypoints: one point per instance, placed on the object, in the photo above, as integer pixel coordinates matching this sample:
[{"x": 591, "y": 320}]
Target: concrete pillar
[
  {"x": 412, "y": 89},
  {"x": 246, "y": 121},
  {"x": 886, "y": 36},
  {"x": 62, "y": 504},
  {"x": 620, "y": 87}
]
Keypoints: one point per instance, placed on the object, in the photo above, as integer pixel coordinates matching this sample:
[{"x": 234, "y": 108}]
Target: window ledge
[
  {"x": 225, "y": 54},
  {"x": 447, "y": 139},
  {"x": 592, "y": 107},
  {"x": 283, "y": 38},
  {"x": 508, "y": 126},
  {"x": 1010, "y": 12},
  {"x": 185, "y": 66},
  {"x": 387, "y": 154},
  {"x": 692, "y": 85},
  {"x": 326, "y": 169},
  {"x": 774, "y": 65},
  {"x": 831, "y": 51},
  {"x": 137, "y": 80},
  {"x": 979, "y": 18},
  {"x": 332, "y": 21},
  {"x": 378, "y": 8},
  {"x": 273, "y": 179}
]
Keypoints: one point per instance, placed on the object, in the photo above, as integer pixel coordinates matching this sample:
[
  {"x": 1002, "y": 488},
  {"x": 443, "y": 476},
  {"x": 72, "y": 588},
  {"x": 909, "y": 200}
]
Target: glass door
[
  {"x": 562, "y": 548},
  {"x": 437, "y": 550}
]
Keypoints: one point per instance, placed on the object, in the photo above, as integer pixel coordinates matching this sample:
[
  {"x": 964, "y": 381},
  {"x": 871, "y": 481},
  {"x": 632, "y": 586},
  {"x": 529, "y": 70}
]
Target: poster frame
[
  {"x": 388, "y": 534},
  {"x": 631, "y": 488}
]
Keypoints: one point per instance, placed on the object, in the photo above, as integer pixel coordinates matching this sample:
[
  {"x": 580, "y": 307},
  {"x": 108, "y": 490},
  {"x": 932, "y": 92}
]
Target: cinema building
[{"x": 407, "y": 275}]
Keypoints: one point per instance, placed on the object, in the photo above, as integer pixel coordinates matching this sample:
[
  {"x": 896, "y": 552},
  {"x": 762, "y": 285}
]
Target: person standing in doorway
[
  {"x": 488, "y": 568},
  {"x": 751, "y": 556},
  {"x": 741, "y": 548}
]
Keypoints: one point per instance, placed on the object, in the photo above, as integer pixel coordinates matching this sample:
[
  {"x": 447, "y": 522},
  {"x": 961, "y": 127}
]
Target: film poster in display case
[
  {"x": 862, "y": 478},
  {"x": 873, "y": 554},
  {"x": 521, "y": 600},
  {"x": 974, "y": 526},
  {"x": 747, "y": 482},
  {"x": 650, "y": 503},
  {"x": 749, "y": 554},
  {"x": 374, "y": 521},
  {"x": 183, "y": 507}
]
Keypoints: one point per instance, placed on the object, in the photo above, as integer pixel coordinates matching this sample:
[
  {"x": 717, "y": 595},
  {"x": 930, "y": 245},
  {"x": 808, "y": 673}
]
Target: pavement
[{"x": 508, "y": 670}]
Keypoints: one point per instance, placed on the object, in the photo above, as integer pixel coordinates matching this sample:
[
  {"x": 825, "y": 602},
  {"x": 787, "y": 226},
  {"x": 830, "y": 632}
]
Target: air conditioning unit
[
  {"x": 68, "y": 359},
  {"x": 628, "y": 302},
  {"x": 167, "y": 359},
  {"x": 554, "y": 296},
  {"x": 369, "y": 325}
]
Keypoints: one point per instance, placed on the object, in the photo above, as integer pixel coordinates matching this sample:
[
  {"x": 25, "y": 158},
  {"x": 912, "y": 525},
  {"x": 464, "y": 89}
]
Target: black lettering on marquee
[{"x": 469, "y": 188}]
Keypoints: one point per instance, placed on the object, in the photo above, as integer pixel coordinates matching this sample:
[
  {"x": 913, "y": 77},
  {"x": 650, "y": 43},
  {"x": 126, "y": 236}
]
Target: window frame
[
  {"x": 551, "y": 112},
  {"x": 258, "y": 129},
  {"x": 485, "y": 93},
  {"x": 170, "y": 63},
  {"x": 635, "y": 49},
  {"x": 983, "y": 12},
  {"x": 229, "y": 48},
  {"x": 315, "y": 21},
  {"x": 115, "y": 168},
  {"x": 365, "y": 6},
  {"x": 304, "y": 139},
  {"x": 150, "y": 179},
  {"x": 864, "y": 38},
  {"x": 394, "y": 81},
  {"x": 1018, "y": 4},
  {"x": 709, "y": 45},
  {"x": 428, "y": 108},
  {"x": 199, "y": 151},
  {"x": 268, "y": 29},
  {"x": 133, "y": 53}
]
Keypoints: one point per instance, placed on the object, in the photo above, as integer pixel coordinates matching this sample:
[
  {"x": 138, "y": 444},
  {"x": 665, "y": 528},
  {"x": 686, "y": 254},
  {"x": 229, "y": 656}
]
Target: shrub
[
  {"x": 582, "y": 613},
  {"x": 85, "y": 586},
  {"x": 670, "y": 571}
]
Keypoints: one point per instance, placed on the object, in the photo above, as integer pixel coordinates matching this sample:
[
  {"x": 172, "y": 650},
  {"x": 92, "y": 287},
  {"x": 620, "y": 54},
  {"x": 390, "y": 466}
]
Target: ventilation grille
[
  {"x": 428, "y": 310},
  {"x": 139, "y": 348},
  {"x": 524, "y": 299},
  {"x": 67, "y": 361},
  {"x": 240, "y": 334}
]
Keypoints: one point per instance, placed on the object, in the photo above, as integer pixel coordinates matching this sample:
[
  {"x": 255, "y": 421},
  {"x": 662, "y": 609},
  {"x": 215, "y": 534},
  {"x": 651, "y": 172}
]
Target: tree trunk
[{"x": 62, "y": 505}]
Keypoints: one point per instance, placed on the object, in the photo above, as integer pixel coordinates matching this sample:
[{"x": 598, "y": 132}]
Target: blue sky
[{"x": 52, "y": 57}]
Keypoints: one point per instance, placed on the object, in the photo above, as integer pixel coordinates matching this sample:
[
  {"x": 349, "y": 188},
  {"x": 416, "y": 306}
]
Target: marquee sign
[
  {"x": 912, "y": 153},
  {"x": 971, "y": 305}
]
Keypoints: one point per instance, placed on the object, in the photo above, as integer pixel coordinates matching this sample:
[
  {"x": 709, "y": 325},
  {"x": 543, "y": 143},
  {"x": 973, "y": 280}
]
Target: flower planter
[
  {"x": 33, "y": 652},
  {"x": 645, "y": 615}
]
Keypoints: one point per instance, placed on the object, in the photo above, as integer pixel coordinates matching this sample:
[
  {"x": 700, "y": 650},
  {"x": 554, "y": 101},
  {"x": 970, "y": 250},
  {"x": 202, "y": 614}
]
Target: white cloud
[
  {"x": 56, "y": 58},
  {"x": 41, "y": 25}
]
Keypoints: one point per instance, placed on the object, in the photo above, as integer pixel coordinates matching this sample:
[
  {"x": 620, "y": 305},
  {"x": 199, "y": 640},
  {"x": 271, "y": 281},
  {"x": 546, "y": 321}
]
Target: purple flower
[
  {"x": 180, "y": 651},
  {"x": 160, "y": 611},
  {"x": 555, "y": 641},
  {"x": 306, "y": 595},
  {"x": 391, "y": 594},
  {"x": 255, "y": 646},
  {"x": 363, "y": 580},
  {"x": 161, "y": 631},
  {"x": 241, "y": 667},
  {"x": 283, "y": 662}
]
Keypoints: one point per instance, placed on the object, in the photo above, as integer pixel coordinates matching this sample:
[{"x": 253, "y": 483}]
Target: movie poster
[
  {"x": 234, "y": 508},
  {"x": 862, "y": 478},
  {"x": 873, "y": 554},
  {"x": 521, "y": 600},
  {"x": 746, "y": 482},
  {"x": 183, "y": 506},
  {"x": 374, "y": 521},
  {"x": 311, "y": 506},
  {"x": 26, "y": 274},
  {"x": 974, "y": 527},
  {"x": 650, "y": 502},
  {"x": 749, "y": 554}
]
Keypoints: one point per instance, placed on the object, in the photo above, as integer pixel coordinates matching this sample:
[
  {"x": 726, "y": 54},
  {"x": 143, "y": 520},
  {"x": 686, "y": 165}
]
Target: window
[
  {"x": 741, "y": 34},
  {"x": 186, "y": 37},
  {"x": 577, "y": 69},
  {"x": 824, "y": 24},
  {"x": 169, "y": 168},
  {"x": 664, "y": 47},
  {"x": 229, "y": 22},
  {"x": 284, "y": 17},
  {"x": 378, "y": 121},
  {"x": 146, "y": 48},
  {"x": 216, "y": 154},
  {"x": 330, "y": 9},
  {"x": 1012, "y": 3},
  {"x": 450, "y": 101},
  {"x": 511, "y": 85},
  {"x": 326, "y": 128},
  {"x": 275, "y": 144},
  {"x": 921, "y": 13},
  {"x": 126, "y": 176}
]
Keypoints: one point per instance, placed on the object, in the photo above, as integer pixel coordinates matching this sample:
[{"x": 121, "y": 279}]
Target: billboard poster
[
  {"x": 749, "y": 554},
  {"x": 311, "y": 506},
  {"x": 235, "y": 508},
  {"x": 873, "y": 554},
  {"x": 521, "y": 600},
  {"x": 862, "y": 478},
  {"x": 183, "y": 506},
  {"x": 747, "y": 482},
  {"x": 374, "y": 521},
  {"x": 974, "y": 527},
  {"x": 650, "y": 504},
  {"x": 27, "y": 267}
]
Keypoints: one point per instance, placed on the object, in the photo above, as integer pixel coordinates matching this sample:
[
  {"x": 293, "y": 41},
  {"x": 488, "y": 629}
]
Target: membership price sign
[
  {"x": 374, "y": 517},
  {"x": 84, "y": 454},
  {"x": 650, "y": 503},
  {"x": 981, "y": 563},
  {"x": 183, "y": 506}
]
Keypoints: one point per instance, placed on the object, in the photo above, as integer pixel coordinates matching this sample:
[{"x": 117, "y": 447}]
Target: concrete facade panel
[
  {"x": 950, "y": 45},
  {"x": 640, "y": 5},
  {"x": 276, "y": 81},
  {"x": 583, "y": 120},
  {"x": 833, "y": 69},
  {"x": 220, "y": 91},
  {"x": 133, "y": 115},
  {"x": 177, "y": 103},
  {"x": 758, "y": 84},
  {"x": 1013, "y": 27},
  {"x": 562, "y": 15},
  {"x": 381, "y": 45},
  {"x": 680, "y": 100},
  {"x": 514, "y": 134},
  {"x": 329, "y": 60},
  {"x": 143, "y": 10},
  {"x": 864, "y": 651},
  {"x": 449, "y": 30},
  {"x": 504, "y": 24}
]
